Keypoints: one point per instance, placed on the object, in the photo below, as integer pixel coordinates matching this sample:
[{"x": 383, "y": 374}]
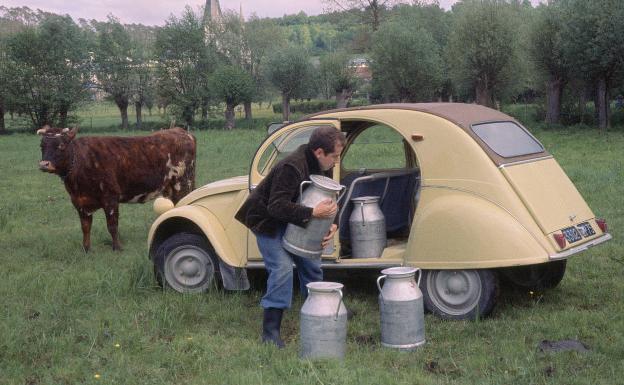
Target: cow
[{"x": 99, "y": 172}]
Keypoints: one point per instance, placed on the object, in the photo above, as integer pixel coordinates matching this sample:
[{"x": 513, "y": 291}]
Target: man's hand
[
  {"x": 325, "y": 209},
  {"x": 330, "y": 235}
]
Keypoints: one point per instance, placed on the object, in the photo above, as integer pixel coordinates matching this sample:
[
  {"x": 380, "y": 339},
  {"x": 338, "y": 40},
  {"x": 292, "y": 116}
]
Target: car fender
[
  {"x": 200, "y": 219},
  {"x": 460, "y": 230}
]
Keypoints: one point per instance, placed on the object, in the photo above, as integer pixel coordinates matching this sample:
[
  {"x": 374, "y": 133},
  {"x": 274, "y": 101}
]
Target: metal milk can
[
  {"x": 401, "y": 305},
  {"x": 323, "y": 322},
  {"x": 367, "y": 228},
  {"x": 306, "y": 241}
]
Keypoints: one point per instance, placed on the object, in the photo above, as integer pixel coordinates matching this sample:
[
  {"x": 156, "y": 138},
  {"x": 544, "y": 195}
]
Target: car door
[{"x": 276, "y": 147}]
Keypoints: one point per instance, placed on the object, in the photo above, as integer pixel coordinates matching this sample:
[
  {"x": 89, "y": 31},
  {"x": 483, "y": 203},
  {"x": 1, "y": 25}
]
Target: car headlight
[{"x": 162, "y": 205}]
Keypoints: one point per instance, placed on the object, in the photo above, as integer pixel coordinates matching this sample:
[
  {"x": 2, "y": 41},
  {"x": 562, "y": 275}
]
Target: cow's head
[{"x": 54, "y": 144}]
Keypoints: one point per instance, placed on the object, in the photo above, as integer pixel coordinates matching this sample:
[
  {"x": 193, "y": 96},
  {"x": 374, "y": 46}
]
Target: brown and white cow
[{"x": 100, "y": 172}]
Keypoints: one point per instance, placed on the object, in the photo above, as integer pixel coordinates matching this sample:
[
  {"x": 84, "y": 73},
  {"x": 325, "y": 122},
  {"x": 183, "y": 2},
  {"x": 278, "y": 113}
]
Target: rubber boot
[{"x": 271, "y": 323}]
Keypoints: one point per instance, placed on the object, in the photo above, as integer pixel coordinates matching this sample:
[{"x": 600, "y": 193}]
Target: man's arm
[{"x": 284, "y": 188}]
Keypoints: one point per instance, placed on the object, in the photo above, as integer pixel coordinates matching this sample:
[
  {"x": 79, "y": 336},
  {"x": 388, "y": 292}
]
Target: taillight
[
  {"x": 561, "y": 241},
  {"x": 602, "y": 223}
]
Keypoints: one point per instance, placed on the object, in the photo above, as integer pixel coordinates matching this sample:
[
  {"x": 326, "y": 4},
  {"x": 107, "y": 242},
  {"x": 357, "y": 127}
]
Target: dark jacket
[{"x": 273, "y": 202}]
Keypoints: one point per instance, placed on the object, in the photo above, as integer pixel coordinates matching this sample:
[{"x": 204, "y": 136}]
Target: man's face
[{"x": 327, "y": 161}]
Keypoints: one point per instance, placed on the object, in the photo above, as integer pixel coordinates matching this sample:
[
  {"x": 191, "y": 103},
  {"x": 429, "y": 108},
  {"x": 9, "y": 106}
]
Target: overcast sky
[{"x": 155, "y": 12}]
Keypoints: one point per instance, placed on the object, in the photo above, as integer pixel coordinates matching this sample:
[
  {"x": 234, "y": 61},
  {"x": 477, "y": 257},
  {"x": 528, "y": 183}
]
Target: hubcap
[
  {"x": 189, "y": 269},
  {"x": 454, "y": 292}
]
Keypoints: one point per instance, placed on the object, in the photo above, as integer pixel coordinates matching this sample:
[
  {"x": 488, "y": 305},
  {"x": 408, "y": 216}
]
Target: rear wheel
[
  {"x": 536, "y": 277},
  {"x": 186, "y": 263},
  {"x": 460, "y": 294}
]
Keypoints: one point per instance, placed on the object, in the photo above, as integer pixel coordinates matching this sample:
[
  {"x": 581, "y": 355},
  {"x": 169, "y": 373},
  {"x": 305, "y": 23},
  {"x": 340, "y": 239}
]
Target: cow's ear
[
  {"x": 71, "y": 134},
  {"x": 43, "y": 130}
]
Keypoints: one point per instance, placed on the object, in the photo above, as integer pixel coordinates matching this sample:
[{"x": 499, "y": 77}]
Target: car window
[
  {"x": 507, "y": 139},
  {"x": 282, "y": 146},
  {"x": 377, "y": 147}
]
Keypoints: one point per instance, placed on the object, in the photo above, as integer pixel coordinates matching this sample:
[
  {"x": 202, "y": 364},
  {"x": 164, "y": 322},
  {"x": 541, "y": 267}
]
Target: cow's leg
[
  {"x": 111, "y": 210},
  {"x": 85, "y": 222}
]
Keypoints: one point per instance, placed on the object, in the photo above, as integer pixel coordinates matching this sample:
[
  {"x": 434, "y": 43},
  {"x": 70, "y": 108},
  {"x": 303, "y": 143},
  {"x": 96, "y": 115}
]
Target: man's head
[
  {"x": 54, "y": 144},
  {"x": 326, "y": 143}
]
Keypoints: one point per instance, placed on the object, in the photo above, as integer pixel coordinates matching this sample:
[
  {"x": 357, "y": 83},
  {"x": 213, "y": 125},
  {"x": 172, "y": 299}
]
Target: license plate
[
  {"x": 571, "y": 234},
  {"x": 585, "y": 229}
]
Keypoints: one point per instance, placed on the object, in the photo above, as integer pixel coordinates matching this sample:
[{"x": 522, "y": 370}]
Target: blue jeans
[{"x": 279, "y": 265}]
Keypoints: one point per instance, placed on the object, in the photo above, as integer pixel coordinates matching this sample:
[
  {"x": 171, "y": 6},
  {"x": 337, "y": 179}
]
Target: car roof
[{"x": 461, "y": 114}]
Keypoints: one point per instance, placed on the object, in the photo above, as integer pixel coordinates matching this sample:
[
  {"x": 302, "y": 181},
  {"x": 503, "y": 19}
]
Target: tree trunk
[
  {"x": 204, "y": 111},
  {"x": 375, "y": 10},
  {"x": 601, "y": 103},
  {"x": 229, "y": 116},
  {"x": 483, "y": 94},
  {"x": 122, "y": 104},
  {"x": 2, "y": 127},
  {"x": 553, "y": 100},
  {"x": 285, "y": 106},
  {"x": 63, "y": 117},
  {"x": 342, "y": 98},
  {"x": 248, "y": 110},
  {"x": 139, "y": 114}
]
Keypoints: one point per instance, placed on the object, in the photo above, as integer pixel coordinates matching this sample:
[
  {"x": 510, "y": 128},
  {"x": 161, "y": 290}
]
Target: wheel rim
[
  {"x": 455, "y": 292},
  {"x": 189, "y": 269}
]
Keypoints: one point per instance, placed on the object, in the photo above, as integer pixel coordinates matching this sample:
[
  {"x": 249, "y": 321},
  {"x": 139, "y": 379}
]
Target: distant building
[{"x": 361, "y": 67}]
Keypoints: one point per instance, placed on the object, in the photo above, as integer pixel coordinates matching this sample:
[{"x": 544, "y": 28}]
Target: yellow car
[{"x": 469, "y": 195}]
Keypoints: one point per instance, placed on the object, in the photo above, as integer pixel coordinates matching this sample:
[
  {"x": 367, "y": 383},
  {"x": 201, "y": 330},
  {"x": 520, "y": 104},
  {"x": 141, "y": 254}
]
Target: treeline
[{"x": 560, "y": 55}]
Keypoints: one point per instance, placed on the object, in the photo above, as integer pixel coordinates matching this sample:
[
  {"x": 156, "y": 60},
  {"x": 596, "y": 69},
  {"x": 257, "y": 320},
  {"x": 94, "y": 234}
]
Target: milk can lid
[
  {"x": 365, "y": 199},
  {"x": 325, "y": 182},
  {"x": 401, "y": 271},
  {"x": 324, "y": 286}
]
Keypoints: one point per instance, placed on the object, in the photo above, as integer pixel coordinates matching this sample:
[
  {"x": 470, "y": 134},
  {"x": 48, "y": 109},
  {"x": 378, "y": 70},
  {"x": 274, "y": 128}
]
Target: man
[{"x": 272, "y": 205}]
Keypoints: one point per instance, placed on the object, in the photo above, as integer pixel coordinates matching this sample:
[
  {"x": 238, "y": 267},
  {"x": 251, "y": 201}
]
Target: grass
[{"x": 73, "y": 318}]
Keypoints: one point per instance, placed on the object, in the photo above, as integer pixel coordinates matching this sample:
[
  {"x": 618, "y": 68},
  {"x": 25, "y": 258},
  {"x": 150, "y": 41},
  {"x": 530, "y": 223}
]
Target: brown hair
[{"x": 326, "y": 137}]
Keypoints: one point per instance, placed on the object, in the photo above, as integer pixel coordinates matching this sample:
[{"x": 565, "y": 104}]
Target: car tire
[
  {"x": 186, "y": 263},
  {"x": 460, "y": 294},
  {"x": 536, "y": 277}
]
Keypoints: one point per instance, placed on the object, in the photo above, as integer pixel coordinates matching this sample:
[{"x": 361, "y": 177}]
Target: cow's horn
[
  {"x": 66, "y": 129},
  {"x": 41, "y": 131}
]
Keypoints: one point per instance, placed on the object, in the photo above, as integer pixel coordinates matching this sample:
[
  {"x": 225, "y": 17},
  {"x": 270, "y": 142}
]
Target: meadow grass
[{"x": 99, "y": 318}]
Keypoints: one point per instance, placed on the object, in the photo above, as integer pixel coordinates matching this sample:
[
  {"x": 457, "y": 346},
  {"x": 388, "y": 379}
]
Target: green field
[{"x": 73, "y": 318}]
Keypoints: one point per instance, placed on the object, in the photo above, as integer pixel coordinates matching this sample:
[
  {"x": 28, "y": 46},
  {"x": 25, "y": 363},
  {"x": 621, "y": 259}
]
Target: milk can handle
[
  {"x": 362, "y": 211},
  {"x": 301, "y": 187},
  {"x": 379, "y": 284},
  {"x": 343, "y": 190},
  {"x": 419, "y": 276},
  {"x": 339, "y": 302}
]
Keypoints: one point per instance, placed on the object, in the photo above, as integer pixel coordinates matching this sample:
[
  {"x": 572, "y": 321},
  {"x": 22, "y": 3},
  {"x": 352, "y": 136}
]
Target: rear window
[{"x": 507, "y": 139}]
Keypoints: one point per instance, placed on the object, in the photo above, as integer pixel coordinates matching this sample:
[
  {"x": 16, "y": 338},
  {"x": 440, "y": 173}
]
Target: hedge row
[{"x": 308, "y": 107}]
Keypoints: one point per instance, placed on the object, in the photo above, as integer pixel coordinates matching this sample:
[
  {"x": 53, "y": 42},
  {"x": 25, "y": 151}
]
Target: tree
[
  {"x": 406, "y": 63},
  {"x": 594, "y": 46},
  {"x": 371, "y": 10},
  {"x": 288, "y": 70},
  {"x": 185, "y": 63},
  {"x": 483, "y": 48},
  {"x": 233, "y": 86},
  {"x": 51, "y": 62},
  {"x": 114, "y": 64},
  {"x": 338, "y": 77},
  {"x": 548, "y": 53}
]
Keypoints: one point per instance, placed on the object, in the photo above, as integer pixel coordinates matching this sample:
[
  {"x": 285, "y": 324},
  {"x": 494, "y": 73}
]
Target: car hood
[{"x": 222, "y": 186}]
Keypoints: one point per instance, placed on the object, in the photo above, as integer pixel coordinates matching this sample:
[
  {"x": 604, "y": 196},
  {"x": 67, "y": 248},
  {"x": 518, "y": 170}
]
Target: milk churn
[
  {"x": 367, "y": 228},
  {"x": 323, "y": 322},
  {"x": 402, "y": 313},
  {"x": 306, "y": 241}
]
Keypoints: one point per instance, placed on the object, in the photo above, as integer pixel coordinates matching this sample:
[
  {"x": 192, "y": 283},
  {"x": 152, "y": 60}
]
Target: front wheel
[
  {"x": 186, "y": 263},
  {"x": 460, "y": 294}
]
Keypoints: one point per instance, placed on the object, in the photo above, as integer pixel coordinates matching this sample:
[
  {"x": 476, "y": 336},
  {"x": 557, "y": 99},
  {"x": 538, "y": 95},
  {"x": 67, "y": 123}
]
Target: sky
[{"x": 155, "y": 12}]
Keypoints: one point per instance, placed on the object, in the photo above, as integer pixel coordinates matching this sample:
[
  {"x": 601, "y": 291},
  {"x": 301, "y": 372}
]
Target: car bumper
[{"x": 580, "y": 248}]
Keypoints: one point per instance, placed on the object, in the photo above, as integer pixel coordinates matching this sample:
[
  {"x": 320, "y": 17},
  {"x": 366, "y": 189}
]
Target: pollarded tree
[
  {"x": 482, "y": 48},
  {"x": 289, "y": 70},
  {"x": 113, "y": 64},
  {"x": 594, "y": 33},
  {"x": 406, "y": 63},
  {"x": 234, "y": 86},
  {"x": 338, "y": 77},
  {"x": 185, "y": 63},
  {"x": 547, "y": 51},
  {"x": 51, "y": 62},
  {"x": 371, "y": 9}
]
